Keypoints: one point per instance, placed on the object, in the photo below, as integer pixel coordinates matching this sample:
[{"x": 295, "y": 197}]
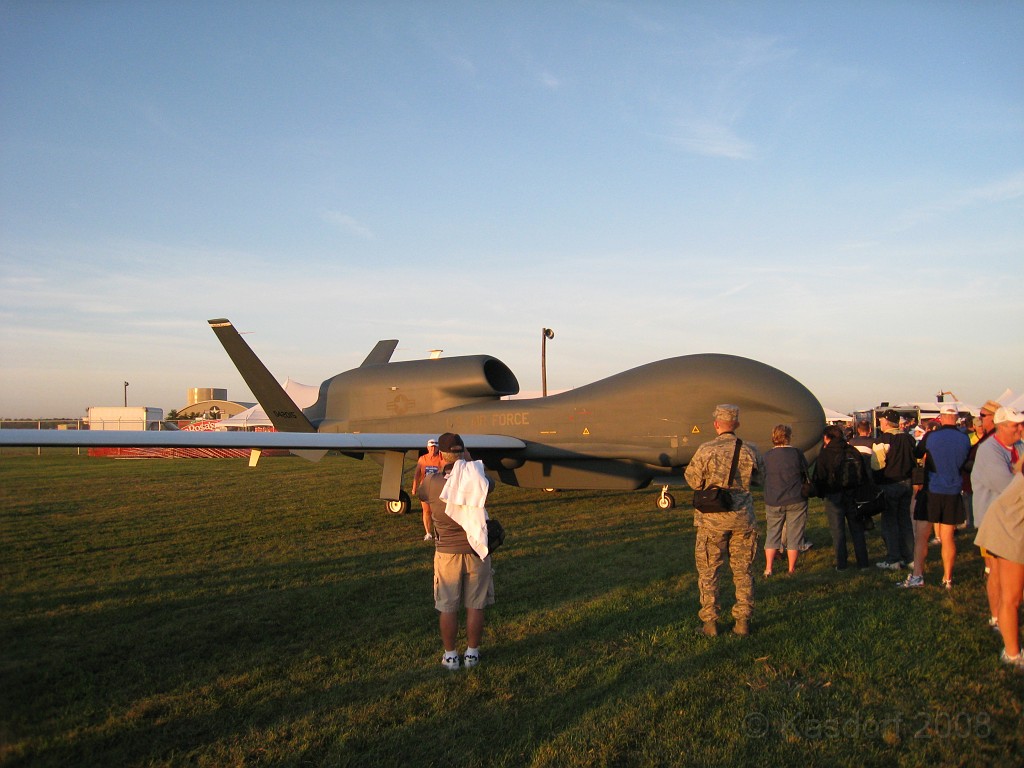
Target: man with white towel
[{"x": 462, "y": 562}]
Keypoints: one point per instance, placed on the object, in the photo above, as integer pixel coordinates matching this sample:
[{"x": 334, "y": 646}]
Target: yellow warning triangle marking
[
  {"x": 586, "y": 431},
  {"x": 695, "y": 430}
]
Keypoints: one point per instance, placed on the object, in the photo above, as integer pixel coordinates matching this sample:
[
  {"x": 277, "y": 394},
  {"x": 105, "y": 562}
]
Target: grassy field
[{"x": 203, "y": 613}]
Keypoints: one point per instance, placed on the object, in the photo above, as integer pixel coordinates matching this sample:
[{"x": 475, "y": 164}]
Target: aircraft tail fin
[
  {"x": 282, "y": 411},
  {"x": 381, "y": 353}
]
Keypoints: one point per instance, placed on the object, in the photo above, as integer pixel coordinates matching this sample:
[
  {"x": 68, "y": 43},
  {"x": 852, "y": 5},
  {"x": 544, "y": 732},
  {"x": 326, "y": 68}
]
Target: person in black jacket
[
  {"x": 895, "y": 450},
  {"x": 839, "y": 507}
]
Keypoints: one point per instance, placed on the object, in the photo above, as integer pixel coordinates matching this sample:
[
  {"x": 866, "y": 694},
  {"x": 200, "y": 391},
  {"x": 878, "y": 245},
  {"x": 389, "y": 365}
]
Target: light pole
[
  {"x": 126, "y": 394},
  {"x": 545, "y": 334}
]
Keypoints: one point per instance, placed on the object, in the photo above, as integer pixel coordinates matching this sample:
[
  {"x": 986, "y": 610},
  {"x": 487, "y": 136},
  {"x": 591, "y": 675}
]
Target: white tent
[
  {"x": 304, "y": 395},
  {"x": 832, "y": 416},
  {"x": 1011, "y": 399}
]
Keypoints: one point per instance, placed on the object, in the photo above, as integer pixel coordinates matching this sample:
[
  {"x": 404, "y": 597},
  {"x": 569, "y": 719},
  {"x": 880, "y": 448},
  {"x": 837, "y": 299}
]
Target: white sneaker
[
  {"x": 911, "y": 581},
  {"x": 993, "y": 623},
  {"x": 471, "y": 659},
  {"x": 886, "y": 565},
  {"x": 450, "y": 663},
  {"x": 1017, "y": 662}
]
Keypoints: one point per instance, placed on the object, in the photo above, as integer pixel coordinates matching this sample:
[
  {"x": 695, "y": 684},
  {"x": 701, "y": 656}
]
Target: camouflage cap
[{"x": 727, "y": 412}]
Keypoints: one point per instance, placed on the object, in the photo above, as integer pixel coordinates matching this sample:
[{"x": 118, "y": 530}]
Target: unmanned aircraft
[{"x": 620, "y": 433}]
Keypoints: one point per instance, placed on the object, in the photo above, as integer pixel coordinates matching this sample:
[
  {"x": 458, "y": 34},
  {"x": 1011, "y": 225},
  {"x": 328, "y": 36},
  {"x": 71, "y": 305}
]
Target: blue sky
[{"x": 835, "y": 189}]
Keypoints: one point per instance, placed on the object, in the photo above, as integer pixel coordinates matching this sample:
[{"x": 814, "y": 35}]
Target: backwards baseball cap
[
  {"x": 991, "y": 406},
  {"x": 431, "y": 442},
  {"x": 1006, "y": 413},
  {"x": 890, "y": 415},
  {"x": 947, "y": 410},
  {"x": 450, "y": 442}
]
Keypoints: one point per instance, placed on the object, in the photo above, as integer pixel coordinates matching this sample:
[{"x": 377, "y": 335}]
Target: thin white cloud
[
  {"x": 348, "y": 224},
  {"x": 726, "y": 78},
  {"x": 858, "y": 245},
  {"x": 464, "y": 65},
  {"x": 733, "y": 291},
  {"x": 997, "y": 191},
  {"x": 550, "y": 82},
  {"x": 710, "y": 139}
]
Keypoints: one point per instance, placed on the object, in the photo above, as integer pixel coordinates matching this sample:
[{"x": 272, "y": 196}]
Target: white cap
[
  {"x": 1008, "y": 414},
  {"x": 949, "y": 409},
  {"x": 431, "y": 442}
]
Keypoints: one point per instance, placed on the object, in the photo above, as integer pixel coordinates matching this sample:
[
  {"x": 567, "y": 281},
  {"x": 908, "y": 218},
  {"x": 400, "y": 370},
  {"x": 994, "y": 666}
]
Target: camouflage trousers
[{"x": 711, "y": 548}]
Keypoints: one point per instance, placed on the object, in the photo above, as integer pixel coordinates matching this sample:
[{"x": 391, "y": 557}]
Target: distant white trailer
[{"x": 132, "y": 418}]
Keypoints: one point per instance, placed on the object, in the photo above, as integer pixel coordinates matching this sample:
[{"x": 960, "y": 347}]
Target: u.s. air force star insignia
[{"x": 401, "y": 405}]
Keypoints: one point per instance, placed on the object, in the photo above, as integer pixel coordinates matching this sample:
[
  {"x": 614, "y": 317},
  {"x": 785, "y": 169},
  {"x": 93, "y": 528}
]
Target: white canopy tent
[
  {"x": 1011, "y": 399},
  {"x": 304, "y": 395},
  {"x": 833, "y": 416}
]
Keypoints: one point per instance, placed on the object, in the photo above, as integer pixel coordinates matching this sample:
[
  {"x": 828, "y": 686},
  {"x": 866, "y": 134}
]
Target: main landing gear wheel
[
  {"x": 665, "y": 501},
  {"x": 399, "y": 506}
]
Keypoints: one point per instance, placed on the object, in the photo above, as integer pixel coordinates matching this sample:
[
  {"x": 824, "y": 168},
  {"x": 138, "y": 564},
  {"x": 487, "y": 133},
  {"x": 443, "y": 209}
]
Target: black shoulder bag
[
  {"x": 715, "y": 498},
  {"x": 495, "y": 534}
]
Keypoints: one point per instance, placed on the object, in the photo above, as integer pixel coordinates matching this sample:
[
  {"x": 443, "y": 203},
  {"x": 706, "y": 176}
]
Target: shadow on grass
[{"x": 256, "y": 624}]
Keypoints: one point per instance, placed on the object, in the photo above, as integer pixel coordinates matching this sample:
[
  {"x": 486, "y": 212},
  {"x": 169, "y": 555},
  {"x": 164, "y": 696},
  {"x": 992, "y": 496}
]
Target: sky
[{"x": 835, "y": 189}]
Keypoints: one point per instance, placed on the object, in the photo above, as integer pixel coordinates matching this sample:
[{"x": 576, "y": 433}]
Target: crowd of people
[
  {"x": 937, "y": 479},
  {"x": 945, "y": 476},
  {"x": 956, "y": 473}
]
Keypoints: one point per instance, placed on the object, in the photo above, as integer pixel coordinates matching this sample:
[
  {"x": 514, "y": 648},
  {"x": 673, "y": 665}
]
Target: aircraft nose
[
  {"x": 807, "y": 417},
  {"x": 768, "y": 397},
  {"x": 787, "y": 401}
]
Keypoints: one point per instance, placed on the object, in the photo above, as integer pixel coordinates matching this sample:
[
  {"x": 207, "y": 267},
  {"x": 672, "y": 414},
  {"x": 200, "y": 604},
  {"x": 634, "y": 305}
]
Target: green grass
[{"x": 203, "y": 613}]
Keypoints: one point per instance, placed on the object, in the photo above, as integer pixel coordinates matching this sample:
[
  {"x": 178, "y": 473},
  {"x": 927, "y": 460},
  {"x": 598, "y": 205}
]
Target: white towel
[{"x": 465, "y": 494}]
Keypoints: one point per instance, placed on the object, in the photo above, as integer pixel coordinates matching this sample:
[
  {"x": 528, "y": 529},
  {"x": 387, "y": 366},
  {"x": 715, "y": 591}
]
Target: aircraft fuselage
[{"x": 619, "y": 432}]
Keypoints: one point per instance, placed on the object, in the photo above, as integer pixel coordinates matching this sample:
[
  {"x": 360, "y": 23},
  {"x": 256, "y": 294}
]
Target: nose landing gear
[{"x": 665, "y": 500}]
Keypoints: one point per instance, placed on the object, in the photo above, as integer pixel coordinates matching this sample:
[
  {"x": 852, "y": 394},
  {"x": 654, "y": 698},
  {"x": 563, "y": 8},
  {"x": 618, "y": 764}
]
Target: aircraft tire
[
  {"x": 399, "y": 506},
  {"x": 665, "y": 501}
]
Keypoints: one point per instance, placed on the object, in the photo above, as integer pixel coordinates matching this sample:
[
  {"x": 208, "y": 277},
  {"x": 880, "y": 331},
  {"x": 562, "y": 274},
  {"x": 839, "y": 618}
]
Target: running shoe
[
  {"x": 1017, "y": 662},
  {"x": 911, "y": 582}
]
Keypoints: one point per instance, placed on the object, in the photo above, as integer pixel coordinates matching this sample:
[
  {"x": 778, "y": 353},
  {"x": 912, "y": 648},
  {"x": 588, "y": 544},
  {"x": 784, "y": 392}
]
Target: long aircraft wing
[{"x": 343, "y": 441}]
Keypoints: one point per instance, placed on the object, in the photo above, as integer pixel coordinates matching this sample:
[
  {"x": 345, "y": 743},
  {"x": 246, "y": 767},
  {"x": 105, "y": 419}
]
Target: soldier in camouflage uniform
[{"x": 733, "y": 532}]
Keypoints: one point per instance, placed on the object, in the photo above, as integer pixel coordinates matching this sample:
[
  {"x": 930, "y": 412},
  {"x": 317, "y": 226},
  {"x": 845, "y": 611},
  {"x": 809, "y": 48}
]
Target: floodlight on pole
[
  {"x": 545, "y": 334},
  {"x": 126, "y": 394}
]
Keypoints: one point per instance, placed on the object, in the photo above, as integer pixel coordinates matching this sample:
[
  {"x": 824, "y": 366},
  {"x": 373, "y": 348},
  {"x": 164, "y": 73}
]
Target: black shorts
[{"x": 945, "y": 508}]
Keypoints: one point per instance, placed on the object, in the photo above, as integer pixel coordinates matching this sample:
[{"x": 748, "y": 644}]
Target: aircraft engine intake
[{"x": 412, "y": 388}]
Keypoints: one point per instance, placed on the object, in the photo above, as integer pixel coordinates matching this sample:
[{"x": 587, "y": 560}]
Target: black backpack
[{"x": 850, "y": 472}]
